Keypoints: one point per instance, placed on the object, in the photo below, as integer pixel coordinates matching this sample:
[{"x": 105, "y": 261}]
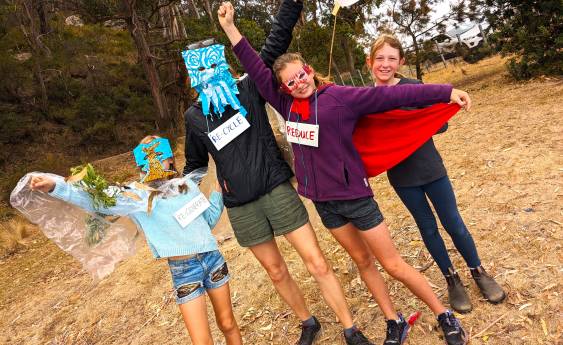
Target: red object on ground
[
  {"x": 385, "y": 139},
  {"x": 413, "y": 317}
]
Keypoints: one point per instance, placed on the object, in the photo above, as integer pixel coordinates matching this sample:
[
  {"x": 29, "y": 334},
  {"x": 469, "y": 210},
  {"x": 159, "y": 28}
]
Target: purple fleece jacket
[{"x": 334, "y": 170}]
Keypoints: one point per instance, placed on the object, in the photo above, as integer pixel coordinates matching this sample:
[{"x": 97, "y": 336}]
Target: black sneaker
[
  {"x": 396, "y": 331},
  {"x": 357, "y": 338},
  {"x": 309, "y": 333},
  {"x": 453, "y": 332}
]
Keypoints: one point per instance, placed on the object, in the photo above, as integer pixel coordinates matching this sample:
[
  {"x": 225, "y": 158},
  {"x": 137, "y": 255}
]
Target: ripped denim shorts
[{"x": 191, "y": 277}]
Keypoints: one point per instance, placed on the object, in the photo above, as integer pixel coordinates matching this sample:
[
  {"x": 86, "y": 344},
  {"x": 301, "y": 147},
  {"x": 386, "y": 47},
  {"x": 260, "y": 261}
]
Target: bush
[{"x": 102, "y": 132}]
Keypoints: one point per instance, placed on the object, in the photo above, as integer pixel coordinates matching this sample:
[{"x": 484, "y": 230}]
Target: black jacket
[{"x": 251, "y": 165}]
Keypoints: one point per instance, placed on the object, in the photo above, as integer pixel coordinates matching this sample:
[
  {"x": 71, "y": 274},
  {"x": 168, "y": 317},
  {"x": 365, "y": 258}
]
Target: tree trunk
[
  {"x": 29, "y": 29},
  {"x": 193, "y": 8},
  {"x": 148, "y": 62},
  {"x": 175, "y": 89},
  {"x": 336, "y": 71},
  {"x": 43, "y": 24},
  {"x": 419, "y": 72},
  {"x": 210, "y": 14},
  {"x": 348, "y": 54}
]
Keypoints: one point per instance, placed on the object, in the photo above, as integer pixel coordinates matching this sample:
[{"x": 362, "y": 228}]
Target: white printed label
[
  {"x": 302, "y": 133},
  {"x": 228, "y": 131},
  {"x": 191, "y": 210}
]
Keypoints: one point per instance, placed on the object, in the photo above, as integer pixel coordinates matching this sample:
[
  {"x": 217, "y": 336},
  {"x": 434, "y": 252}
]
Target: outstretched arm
[
  {"x": 76, "y": 196},
  {"x": 252, "y": 63},
  {"x": 280, "y": 36},
  {"x": 369, "y": 100}
]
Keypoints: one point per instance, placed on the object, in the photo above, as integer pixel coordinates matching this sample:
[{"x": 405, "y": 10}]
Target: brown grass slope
[{"x": 504, "y": 159}]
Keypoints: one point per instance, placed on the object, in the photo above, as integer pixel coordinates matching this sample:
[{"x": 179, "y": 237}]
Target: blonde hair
[
  {"x": 380, "y": 42},
  {"x": 287, "y": 58},
  {"x": 149, "y": 138}
]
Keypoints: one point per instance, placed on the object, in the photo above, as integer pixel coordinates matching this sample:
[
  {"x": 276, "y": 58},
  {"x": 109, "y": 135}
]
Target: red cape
[{"x": 385, "y": 139}]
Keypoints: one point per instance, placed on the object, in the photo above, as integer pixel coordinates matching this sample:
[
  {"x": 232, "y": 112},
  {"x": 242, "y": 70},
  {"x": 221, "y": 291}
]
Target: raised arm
[
  {"x": 280, "y": 35},
  {"x": 252, "y": 63}
]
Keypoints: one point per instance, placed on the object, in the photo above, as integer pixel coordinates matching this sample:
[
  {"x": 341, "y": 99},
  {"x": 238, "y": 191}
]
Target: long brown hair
[{"x": 287, "y": 58}]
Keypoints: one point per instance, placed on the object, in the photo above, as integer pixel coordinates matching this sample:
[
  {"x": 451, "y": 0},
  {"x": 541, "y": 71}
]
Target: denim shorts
[
  {"x": 191, "y": 277},
  {"x": 363, "y": 213}
]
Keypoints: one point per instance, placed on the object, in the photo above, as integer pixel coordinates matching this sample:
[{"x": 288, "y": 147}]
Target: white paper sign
[
  {"x": 302, "y": 133},
  {"x": 228, "y": 131},
  {"x": 191, "y": 210},
  {"x": 346, "y": 3}
]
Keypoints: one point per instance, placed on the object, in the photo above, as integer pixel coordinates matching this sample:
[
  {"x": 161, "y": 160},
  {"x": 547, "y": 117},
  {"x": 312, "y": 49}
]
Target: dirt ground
[{"x": 505, "y": 161}]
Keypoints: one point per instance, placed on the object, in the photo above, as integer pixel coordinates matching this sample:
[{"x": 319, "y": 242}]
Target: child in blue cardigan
[{"x": 177, "y": 221}]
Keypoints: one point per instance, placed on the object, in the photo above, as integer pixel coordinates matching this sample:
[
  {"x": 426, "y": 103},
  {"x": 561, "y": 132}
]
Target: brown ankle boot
[
  {"x": 488, "y": 286},
  {"x": 459, "y": 300}
]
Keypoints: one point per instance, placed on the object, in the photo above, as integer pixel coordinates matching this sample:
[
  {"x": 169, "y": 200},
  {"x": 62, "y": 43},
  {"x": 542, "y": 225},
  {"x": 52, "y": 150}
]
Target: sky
[{"x": 440, "y": 10}]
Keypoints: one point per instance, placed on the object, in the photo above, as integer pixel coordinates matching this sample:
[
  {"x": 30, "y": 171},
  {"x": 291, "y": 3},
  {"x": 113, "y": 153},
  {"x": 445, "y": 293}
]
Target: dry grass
[{"x": 504, "y": 159}]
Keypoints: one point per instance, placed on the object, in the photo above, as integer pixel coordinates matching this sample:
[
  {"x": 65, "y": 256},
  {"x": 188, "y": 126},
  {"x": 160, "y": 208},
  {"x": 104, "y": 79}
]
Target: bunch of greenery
[
  {"x": 94, "y": 184},
  {"x": 86, "y": 178}
]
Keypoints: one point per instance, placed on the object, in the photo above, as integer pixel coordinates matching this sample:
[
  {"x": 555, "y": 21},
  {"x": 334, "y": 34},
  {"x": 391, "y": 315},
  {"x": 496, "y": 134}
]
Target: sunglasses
[
  {"x": 201, "y": 44},
  {"x": 300, "y": 77}
]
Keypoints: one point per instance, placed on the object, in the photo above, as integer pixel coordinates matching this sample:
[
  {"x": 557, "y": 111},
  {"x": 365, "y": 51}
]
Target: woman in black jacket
[{"x": 260, "y": 201}]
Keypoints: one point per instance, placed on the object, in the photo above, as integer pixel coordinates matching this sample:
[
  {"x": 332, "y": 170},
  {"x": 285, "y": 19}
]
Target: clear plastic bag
[{"x": 98, "y": 242}]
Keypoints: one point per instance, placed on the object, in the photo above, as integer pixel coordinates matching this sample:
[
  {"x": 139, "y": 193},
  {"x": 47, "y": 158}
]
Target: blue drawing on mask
[{"x": 210, "y": 77}]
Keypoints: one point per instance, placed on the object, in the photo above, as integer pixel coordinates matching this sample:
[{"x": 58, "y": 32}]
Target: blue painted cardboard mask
[
  {"x": 150, "y": 157},
  {"x": 210, "y": 77}
]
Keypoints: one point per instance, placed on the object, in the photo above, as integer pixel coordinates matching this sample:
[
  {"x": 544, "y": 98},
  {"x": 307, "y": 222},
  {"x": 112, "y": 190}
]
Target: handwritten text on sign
[
  {"x": 191, "y": 210},
  {"x": 229, "y": 130},
  {"x": 302, "y": 133}
]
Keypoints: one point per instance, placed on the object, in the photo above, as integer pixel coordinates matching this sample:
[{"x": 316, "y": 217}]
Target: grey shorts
[
  {"x": 363, "y": 213},
  {"x": 276, "y": 213}
]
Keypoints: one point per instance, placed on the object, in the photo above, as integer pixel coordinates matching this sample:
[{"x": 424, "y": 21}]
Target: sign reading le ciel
[{"x": 228, "y": 131}]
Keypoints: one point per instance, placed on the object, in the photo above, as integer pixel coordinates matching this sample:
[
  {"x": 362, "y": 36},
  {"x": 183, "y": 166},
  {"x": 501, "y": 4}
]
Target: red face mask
[{"x": 299, "y": 78}]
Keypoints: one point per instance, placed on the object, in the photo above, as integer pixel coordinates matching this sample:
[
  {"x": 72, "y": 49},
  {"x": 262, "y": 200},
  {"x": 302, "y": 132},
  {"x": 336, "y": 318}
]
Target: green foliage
[
  {"x": 96, "y": 227},
  {"x": 14, "y": 130},
  {"x": 530, "y": 30},
  {"x": 96, "y": 186}
]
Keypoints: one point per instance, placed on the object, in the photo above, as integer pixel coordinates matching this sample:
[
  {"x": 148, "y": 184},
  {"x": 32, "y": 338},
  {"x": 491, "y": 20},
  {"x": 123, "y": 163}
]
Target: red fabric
[
  {"x": 385, "y": 139},
  {"x": 301, "y": 105}
]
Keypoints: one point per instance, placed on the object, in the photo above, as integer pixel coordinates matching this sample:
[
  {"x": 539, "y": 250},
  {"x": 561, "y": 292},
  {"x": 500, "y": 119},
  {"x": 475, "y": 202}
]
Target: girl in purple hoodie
[{"x": 320, "y": 119}]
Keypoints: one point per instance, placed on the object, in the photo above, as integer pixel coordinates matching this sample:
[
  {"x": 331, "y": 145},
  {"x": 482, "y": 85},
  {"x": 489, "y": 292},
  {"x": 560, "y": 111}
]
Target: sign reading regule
[
  {"x": 191, "y": 210},
  {"x": 228, "y": 131},
  {"x": 302, "y": 133}
]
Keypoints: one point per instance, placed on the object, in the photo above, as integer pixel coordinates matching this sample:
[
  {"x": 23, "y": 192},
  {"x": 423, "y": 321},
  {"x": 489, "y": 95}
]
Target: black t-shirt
[{"x": 423, "y": 166}]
